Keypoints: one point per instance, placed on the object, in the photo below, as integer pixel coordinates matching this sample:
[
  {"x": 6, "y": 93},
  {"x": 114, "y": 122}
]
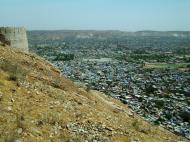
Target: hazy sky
[{"x": 128, "y": 15}]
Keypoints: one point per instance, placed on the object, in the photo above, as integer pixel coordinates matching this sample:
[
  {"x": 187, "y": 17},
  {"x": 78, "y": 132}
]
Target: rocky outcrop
[{"x": 15, "y": 37}]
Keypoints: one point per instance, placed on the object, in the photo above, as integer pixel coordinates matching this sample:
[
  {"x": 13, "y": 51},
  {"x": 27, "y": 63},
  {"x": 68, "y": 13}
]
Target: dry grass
[{"x": 166, "y": 65}]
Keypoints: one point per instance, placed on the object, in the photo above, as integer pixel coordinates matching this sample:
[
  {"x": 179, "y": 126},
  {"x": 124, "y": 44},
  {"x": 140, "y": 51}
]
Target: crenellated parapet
[{"x": 16, "y": 36}]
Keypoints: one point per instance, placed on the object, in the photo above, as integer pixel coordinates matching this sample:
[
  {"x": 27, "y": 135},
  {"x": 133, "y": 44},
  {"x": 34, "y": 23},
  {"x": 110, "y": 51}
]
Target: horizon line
[{"x": 107, "y": 30}]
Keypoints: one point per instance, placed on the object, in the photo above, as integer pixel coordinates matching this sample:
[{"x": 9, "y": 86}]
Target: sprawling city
[{"x": 148, "y": 71}]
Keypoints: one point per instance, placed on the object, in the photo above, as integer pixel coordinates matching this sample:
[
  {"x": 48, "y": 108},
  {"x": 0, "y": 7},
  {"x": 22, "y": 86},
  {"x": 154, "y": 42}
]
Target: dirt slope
[{"x": 37, "y": 104}]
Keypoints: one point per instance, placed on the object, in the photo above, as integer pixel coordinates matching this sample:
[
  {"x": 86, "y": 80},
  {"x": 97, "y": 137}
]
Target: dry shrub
[
  {"x": 140, "y": 127},
  {"x": 16, "y": 72},
  {"x": 52, "y": 118}
]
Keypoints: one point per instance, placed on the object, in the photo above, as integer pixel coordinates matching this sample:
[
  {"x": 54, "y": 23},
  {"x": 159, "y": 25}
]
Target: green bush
[{"x": 64, "y": 57}]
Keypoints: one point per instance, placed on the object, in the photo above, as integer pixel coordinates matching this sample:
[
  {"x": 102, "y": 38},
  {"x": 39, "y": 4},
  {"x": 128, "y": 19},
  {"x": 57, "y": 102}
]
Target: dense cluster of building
[
  {"x": 116, "y": 67},
  {"x": 159, "y": 95}
]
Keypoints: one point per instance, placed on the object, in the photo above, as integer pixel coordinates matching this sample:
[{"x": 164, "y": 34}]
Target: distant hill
[
  {"x": 61, "y": 34},
  {"x": 181, "y": 34}
]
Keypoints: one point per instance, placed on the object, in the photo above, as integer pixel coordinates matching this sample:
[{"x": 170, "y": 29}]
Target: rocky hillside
[{"x": 37, "y": 104}]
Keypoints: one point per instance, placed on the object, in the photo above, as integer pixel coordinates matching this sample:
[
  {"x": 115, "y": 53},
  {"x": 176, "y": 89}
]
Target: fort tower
[{"x": 16, "y": 36}]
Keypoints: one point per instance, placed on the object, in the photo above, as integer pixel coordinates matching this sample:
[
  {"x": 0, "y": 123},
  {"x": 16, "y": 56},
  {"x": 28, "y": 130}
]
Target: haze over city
[{"x": 127, "y": 15}]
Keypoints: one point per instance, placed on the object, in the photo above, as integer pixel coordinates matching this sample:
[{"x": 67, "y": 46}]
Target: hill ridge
[{"x": 38, "y": 104}]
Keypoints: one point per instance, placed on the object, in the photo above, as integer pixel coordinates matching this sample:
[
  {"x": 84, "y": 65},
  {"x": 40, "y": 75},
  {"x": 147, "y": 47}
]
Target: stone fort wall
[{"x": 16, "y": 36}]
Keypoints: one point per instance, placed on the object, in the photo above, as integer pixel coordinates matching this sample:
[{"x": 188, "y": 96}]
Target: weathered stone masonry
[{"x": 16, "y": 36}]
